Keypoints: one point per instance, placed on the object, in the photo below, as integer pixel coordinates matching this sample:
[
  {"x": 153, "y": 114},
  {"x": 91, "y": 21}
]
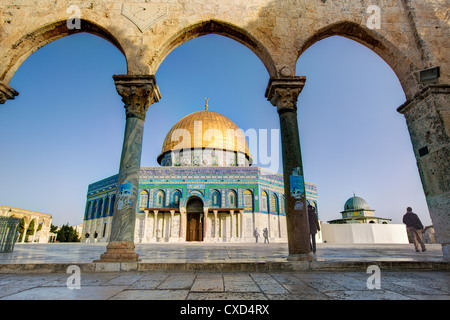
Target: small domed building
[
  {"x": 357, "y": 210},
  {"x": 206, "y": 189},
  {"x": 359, "y": 225}
]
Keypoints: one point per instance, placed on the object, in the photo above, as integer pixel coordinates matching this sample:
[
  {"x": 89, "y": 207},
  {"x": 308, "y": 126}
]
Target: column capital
[
  {"x": 138, "y": 92},
  {"x": 6, "y": 92},
  {"x": 283, "y": 92},
  {"x": 424, "y": 93}
]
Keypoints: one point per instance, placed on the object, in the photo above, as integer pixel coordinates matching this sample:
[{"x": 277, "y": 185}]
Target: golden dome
[{"x": 205, "y": 129}]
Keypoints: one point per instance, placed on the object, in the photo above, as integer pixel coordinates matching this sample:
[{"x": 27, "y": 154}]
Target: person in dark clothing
[
  {"x": 256, "y": 234},
  {"x": 313, "y": 226},
  {"x": 266, "y": 235},
  {"x": 414, "y": 227}
]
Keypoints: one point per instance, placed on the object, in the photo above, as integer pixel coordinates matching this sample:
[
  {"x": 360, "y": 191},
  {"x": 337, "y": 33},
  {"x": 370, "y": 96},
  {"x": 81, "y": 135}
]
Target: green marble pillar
[
  {"x": 138, "y": 93},
  {"x": 283, "y": 93}
]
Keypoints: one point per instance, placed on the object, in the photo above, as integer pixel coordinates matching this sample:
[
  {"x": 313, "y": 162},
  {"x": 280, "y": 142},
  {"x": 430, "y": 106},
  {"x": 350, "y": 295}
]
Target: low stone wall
[{"x": 364, "y": 233}]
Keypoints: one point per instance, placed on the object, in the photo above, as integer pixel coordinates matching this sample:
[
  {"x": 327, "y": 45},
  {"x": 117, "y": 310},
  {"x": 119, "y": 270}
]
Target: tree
[
  {"x": 67, "y": 234},
  {"x": 53, "y": 228}
]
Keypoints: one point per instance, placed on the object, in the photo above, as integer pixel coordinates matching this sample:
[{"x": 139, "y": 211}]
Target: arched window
[
  {"x": 176, "y": 199},
  {"x": 99, "y": 209},
  {"x": 232, "y": 199},
  {"x": 113, "y": 201},
  {"x": 263, "y": 201},
  {"x": 94, "y": 209},
  {"x": 215, "y": 199},
  {"x": 105, "y": 207},
  {"x": 160, "y": 196},
  {"x": 248, "y": 200},
  {"x": 88, "y": 209},
  {"x": 274, "y": 203},
  {"x": 143, "y": 199}
]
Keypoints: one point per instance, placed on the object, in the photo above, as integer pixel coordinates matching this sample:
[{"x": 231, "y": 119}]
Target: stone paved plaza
[{"x": 225, "y": 272}]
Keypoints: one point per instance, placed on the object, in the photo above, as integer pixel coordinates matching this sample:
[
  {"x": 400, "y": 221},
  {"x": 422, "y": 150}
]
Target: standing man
[
  {"x": 256, "y": 234},
  {"x": 266, "y": 235},
  {"x": 313, "y": 226},
  {"x": 414, "y": 227}
]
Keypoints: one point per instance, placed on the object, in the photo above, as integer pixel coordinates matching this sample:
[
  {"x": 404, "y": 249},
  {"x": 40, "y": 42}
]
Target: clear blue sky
[{"x": 65, "y": 130}]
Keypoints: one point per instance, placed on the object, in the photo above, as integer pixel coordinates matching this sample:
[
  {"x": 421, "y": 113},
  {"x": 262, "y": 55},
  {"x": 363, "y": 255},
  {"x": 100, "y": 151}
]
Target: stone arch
[
  {"x": 219, "y": 27},
  {"x": 46, "y": 33},
  {"x": 195, "y": 218},
  {"x": 216, "y": 198},
  {"x": 274, "y": 204},
  {"x": 404, "y": 68},
  {"x": 176, "y": 198},
  {"x": 232, "y": 199},
  {"x": 144, "y": 196},
  {"x": 159, "y": 198}
]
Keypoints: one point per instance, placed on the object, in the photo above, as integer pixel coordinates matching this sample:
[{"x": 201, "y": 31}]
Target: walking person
[
  {"x": 87, "y": 237},
  {"x": 266, "y": 235},
  {"x": 414, "y": 227},
  {"x": 313, "y": 226},
  {"x": 256, "y": 234}
]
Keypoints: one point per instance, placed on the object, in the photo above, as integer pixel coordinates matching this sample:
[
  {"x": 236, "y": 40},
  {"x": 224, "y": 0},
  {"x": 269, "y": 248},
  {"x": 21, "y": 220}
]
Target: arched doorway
[{"x": 194, "y": 210}]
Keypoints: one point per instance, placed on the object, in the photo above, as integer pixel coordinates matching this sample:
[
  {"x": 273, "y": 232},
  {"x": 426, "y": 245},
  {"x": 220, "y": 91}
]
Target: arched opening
[
  {"x": 216, "y": 199},
  {"x": 264, "y": 202},
  {"x": 100, "y": 208},
  {"x": 160, "y": 199},
  {"x": 69, "y": 125},
  {"x": 222, "y": 28},
  {"x": 143, "y": 199},
  {"x": 195, "y": 218},
  {"x": 403, "y": 67},
  {"x": 231, "y": 199},
  {"x": 248, "y": 200},
  {"x": 351, "y": 134},
  {"x": 46, "y": 34},
  {"x": 176, "y": 197},
  {"x": 221, "y": 67}
]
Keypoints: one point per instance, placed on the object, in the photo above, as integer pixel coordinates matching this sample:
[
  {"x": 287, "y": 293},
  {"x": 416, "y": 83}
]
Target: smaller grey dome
[{"x": 356, "y": 203}]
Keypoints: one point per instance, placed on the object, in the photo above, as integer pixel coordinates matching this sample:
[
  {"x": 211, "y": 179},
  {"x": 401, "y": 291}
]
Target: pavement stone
[{"x": 27, "y": 277}]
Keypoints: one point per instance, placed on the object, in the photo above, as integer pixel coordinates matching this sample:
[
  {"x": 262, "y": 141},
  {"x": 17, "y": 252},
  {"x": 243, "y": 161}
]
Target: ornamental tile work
[
  {"x": 230, "y": 201},
  {"x": 238, "y": 200}
]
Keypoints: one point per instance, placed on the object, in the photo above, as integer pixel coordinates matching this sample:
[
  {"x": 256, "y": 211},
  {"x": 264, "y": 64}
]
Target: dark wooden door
[{"x": 195, "y": 227}]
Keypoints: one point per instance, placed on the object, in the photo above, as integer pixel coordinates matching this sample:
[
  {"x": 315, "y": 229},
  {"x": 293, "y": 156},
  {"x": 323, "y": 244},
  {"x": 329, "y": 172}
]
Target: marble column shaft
[
  {"x": 283, "y": 94},
  {"x": 138, "y": 93}
]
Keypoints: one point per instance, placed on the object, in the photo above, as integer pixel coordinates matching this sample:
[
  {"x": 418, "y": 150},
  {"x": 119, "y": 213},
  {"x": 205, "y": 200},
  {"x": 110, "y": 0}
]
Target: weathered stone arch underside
[
  {"x": 222, "y": 28},
  {"x": 45, "y": 34},
  {"x": 404, "y": 68}
]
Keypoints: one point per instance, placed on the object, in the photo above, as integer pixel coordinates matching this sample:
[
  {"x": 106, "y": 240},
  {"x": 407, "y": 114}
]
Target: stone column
[
  {"x": 138, "y": 93},
  {"x": 25, "y": 229},
  {"x": 146, "y": 214},
  {"x": 155, "y": 224},
  {"x": 183, "y": 223},
  {"x": 283, "y": 93},
  {"x": 206, "y": 225},
  {"x": 428, "y": 119},
  {"x": 232, "y": 226},
  {"x": 172, "y": 213},
  {"x": 6, "y": 93},
  {"x": 216, "y": 226},
  {"x": 241, "y": 233}
]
